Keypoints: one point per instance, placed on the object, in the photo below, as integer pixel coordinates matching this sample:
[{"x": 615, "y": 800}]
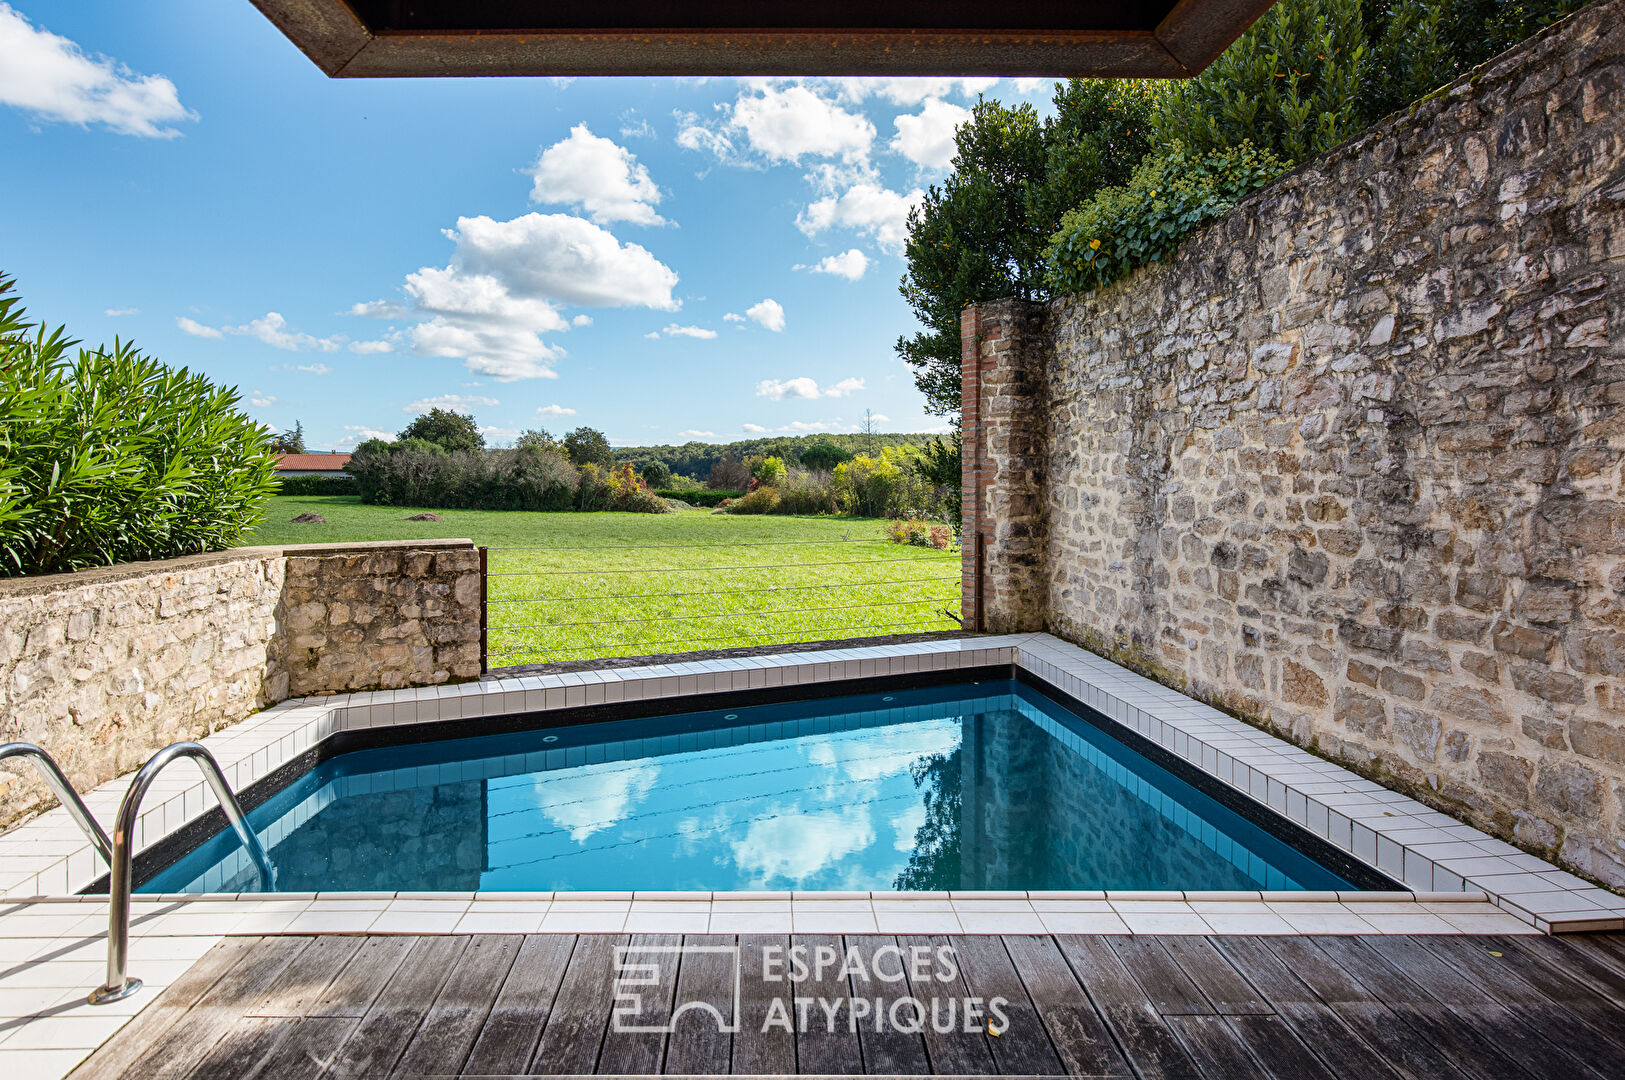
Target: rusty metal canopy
[{"x": 372, "y": 38}]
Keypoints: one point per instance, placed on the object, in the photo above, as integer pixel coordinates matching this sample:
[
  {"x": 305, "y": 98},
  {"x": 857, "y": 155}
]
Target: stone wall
[
  {"x": 105, "y": 666},
  {"x": 1349, "y": 463}
]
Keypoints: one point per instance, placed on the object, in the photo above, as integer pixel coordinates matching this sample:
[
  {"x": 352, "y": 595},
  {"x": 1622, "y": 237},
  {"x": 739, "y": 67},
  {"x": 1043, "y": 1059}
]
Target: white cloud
[
  {"x": 371, "y": 348},
  {"x": 733, "y": 316},
  {"x": 803, "y": 387},
  {"x": 782, "y": 123},
  {"x": 880, "y": 418},
  {"x": 271, "y": 328},
  {"x": 653, "y": 335},
  {"x": 499, "y": 436},
  {"x": 640, "y": 130},
  {"x": 475, "y": 317},
  {"x": 319, "y": 368},
  {"x": 1028, "y": 86},
  {"x": 197, "y": 329},
  {"x": 554, "y": 410},
  {"x": 52, "y": 78},
  {"x": 600, "y": 177},
  {"x": 673, "y": 330},
  {"x": 462, "y": 403},
  {"x": 564, "y": 258},
  {"x": 754, "y": 429},
  {"x": 261, "y": 400},
  {"x": 581, "y": 320},
  {"x": 911, "y": 90},
  {"x": 768, "y": 314},
  {"x": 927, "y": 138},
  {"x": 788, "y": 123},
  {"x": 360, "y": 433},
  {"x": 867, "y": 209},
  {"x": 778, "y": 390},
  {"x": 120, "y": 312},
  {"x": 848, "y": 264},
  {"x": 378, "y": 309},
  {"x": 692, "y": 434}
]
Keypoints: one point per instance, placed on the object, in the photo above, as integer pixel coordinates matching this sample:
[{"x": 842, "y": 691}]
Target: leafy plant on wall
[{"x": 108, "y": 456}]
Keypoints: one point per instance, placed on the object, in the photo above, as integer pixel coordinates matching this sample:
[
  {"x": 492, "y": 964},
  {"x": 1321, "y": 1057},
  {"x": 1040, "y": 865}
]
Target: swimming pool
[{"x": 989, "y": 785}]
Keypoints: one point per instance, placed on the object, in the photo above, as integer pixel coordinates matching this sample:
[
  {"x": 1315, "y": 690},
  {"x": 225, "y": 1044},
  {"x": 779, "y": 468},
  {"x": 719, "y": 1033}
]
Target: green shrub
[
  {"x": 451, "y": 431},
  {"x": 770, "y": 471},
  {"x": 1170, "y": 195},
  {"x": 656, "y": 474},
  {"x": 804, "y": 491},
  {"x": 1290, "y": 85},
  {"x": 318, "y": 485},
  {"x": 416, "y": 473},
  {"x": 882, "y": 486},
  {"x": 823, "y": 456},
  {"x": 764, "y": 500},
  {"x": 113, "y": 457},
  {"x": 919, "y": 533},
  {"x": 698, "y": 498}
]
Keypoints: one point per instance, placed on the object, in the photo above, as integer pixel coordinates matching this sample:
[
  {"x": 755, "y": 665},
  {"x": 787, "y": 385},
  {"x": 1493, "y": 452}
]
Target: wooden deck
[{"x": 1427, "y": 1008}]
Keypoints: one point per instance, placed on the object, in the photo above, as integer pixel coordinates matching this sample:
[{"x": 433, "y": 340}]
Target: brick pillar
[{"x": 1002, "y": 421}]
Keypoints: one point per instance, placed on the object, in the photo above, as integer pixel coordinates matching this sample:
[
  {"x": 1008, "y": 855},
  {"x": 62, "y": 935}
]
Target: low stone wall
[
  {"x": 105, "y": 666},
  {"x": 1350, "y": 462}
]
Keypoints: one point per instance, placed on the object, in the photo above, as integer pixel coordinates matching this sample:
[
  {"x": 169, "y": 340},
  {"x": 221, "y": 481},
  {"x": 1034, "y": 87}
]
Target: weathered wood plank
[
  {"x": 1219, "y": 982},
  {"x": 698, "y": 1043},
  {"x": 521, "y": 1010},
  {"x": 1147, "y": 1042},
  {"x": 633, "y": 1052},
  {"x": 761, "y": 1048},
  {"x": 217, "y": 1011},
  {"x": 580, "y": 1016},
  {"x": 364, "y": 977},
  {"x": 308, "y": 977},
  {"x": 447, "y": 1033},
  {"x": 399, "y": 1008},
  {"x": 1574, "y": 960},
  {"x": 1075, "y": 1029},
  {"x": 239, "y": 1052},
  {"x": 1171, "y": 991},
  {"x": 1435, "y": 1022},
  {"x": 142, "y": 1035},
  {"x": 825, "y": 1044},
  {"x": 1317, "y": 1024},
  {"x": 1024, "y": 1045},
  {"x": 1541, "y": 1053},
  {"x": 1282, "y": 1054},
  {"x": 954, "y": 1052},
  {"x": 310, "y": 1047},
  {"x": 1215, "y": 1047},
  {"x": 888, "y": 1048}
]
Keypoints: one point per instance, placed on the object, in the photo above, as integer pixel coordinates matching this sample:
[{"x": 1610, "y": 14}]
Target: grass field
[{"x": 575, "y": 586}]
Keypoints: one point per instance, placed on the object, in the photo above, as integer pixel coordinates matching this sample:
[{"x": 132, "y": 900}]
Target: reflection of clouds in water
[
  {"x": 593, "y": 797},
  {"x": 795, "y": 845},
  {"x": 881, "y": 753},
  {"x": 906, "y": 825}
]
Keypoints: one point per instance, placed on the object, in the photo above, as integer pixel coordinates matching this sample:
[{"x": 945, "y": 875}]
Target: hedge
[{"x": 318, "y": 485}]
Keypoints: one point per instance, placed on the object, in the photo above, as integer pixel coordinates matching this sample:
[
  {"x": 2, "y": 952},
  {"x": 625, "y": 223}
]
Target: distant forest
[{"x": 695, "y": 459}]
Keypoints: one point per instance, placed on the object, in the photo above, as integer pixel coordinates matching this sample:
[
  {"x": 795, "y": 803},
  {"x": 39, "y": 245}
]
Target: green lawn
[{"x": 574, "y": 586}]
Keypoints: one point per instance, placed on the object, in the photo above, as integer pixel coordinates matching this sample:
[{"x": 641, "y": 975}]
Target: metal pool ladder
[
  {"x": 69, "y": 798},
  {"x": 119, "y": 985}
]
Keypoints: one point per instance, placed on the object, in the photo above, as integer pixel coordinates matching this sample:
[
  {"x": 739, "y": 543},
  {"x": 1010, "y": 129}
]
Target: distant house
[{"x": 312, "y": 465}]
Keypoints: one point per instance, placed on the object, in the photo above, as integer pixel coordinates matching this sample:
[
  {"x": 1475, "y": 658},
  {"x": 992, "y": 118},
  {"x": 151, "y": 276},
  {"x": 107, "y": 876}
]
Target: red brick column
[{"x": 972, "y": 466}]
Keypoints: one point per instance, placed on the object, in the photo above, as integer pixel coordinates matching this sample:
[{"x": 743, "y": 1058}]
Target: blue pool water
[{"x": 985, "y": 786}]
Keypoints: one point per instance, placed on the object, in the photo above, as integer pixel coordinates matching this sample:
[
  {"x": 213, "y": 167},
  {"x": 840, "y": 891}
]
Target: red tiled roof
[{"x": 321, "y": 462}]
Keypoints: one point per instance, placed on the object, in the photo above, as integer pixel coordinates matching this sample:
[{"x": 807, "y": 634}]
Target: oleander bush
[{"x": 109, "y": 456}]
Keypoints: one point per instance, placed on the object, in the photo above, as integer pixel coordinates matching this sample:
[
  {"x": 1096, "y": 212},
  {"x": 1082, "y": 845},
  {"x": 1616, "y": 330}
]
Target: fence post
[{"x": 485, "y": 620}]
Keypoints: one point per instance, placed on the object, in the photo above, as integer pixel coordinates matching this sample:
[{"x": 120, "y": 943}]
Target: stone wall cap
[{"x": 38, "y": 584}]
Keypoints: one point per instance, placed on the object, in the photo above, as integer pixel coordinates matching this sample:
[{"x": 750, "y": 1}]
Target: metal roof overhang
[{"x": 396, "y": 38}]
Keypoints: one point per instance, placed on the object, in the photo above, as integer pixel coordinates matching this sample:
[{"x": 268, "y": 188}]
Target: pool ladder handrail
[
  {"x": 119, "y": 985},
  {"x": 54, "y": 779}
]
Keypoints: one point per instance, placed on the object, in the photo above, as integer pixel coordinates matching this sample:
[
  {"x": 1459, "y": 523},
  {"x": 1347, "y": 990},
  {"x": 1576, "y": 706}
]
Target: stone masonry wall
[
  {"x": 106, "y": 666},
  {"x": 1350, "y": 463}
]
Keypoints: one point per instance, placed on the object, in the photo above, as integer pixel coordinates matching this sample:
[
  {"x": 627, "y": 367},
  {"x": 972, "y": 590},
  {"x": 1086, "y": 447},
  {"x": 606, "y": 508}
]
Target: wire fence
[{"x": 546, "y": 604}]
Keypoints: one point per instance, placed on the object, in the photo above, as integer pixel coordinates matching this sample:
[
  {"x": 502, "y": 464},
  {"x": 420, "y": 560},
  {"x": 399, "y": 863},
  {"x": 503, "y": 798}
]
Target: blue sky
[{"x": 661, "y": 259}]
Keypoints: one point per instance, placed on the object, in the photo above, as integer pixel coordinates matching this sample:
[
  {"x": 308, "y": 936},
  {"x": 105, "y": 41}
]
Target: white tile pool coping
[
  {"x": 52, "y": 941},
  {"x": 1430, "y": 852}
]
